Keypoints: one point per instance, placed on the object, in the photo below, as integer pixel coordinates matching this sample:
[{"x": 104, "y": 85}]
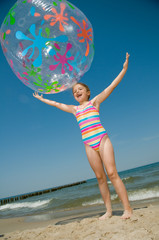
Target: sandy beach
[{"x": 144, "y": 225}]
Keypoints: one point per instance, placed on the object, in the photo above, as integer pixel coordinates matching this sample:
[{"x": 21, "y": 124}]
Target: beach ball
[{"x": 47, "y": 43}]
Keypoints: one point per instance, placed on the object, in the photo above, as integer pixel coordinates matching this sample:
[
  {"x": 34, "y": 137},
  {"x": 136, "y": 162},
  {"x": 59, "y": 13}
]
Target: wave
[
  {"x": 138, "y": 195},
  {"x": 98, "y": 201},
  {"x": 128, "y": 179},
  {"x": 94, "y": 202},
  {"x": 144, "y": 194},
  {"x": 19, "y": 205},
  {"x": 152, "y": 184}
]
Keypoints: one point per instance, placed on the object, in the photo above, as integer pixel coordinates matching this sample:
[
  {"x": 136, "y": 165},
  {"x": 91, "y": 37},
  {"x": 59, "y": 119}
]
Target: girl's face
[{"x": 80, "y": 93}]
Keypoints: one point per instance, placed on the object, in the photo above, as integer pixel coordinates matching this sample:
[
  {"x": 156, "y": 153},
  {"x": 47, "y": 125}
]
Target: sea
[{"x": 142, "y": 184}]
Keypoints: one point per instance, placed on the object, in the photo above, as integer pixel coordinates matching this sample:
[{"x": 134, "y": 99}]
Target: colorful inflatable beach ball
[{"x": 47, "y": 43}]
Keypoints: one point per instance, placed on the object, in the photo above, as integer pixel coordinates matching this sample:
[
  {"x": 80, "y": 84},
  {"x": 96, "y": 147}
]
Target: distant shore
[{"x": 144, "y": 224}]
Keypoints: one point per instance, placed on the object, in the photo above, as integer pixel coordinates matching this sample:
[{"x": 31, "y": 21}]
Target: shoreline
[{"x": 13, "y": 227}]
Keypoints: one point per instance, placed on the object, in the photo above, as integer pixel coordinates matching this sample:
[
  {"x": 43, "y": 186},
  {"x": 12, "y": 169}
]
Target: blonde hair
[{"x": 84, "y": 85}]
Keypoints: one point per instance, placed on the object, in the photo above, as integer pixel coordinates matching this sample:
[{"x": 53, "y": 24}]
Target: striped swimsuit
[{"x": 90, "y": 125}]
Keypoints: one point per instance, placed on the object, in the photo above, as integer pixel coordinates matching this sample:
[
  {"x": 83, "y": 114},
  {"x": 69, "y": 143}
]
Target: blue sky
[{"x": 41, "y": 146}]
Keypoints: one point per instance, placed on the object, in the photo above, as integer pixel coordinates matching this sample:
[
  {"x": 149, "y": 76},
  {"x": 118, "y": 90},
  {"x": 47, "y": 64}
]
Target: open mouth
[{"x": 78, "y": 96}]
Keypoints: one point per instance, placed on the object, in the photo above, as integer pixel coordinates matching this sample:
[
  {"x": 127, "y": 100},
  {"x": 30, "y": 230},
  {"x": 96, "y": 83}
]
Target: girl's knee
[
  {"x": 112, "y": 175},
  {"x": 101, "y": 178}
]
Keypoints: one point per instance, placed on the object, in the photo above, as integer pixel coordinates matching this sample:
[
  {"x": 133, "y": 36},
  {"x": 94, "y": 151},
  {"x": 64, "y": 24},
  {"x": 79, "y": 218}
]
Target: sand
[{"x": 143, "y": 225}]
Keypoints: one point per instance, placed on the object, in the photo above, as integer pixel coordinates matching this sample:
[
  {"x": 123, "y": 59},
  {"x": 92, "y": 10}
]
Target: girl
[{"x": 98, "y": 146}]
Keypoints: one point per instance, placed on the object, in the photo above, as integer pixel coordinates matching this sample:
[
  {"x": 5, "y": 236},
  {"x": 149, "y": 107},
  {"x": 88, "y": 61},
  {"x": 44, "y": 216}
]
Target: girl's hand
[
  {"x": 36, "y": 95},
  {"x": 125, "y": 65}
]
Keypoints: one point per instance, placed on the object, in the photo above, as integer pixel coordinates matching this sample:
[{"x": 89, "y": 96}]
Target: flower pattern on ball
[
  {"x": 62, "y": 59},
  {"x": 38, "y": 42},
  {"x": 58, "y": 17}
]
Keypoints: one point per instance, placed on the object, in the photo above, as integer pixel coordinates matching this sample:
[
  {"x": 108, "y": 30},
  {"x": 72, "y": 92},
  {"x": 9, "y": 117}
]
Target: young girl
[{"x": 98, "y": 146}]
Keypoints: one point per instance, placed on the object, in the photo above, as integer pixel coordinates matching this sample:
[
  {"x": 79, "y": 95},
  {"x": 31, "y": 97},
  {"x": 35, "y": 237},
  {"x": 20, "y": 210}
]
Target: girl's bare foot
[
  {"x": 106, "y": 216},
  {"x": 127, "y": 214}
]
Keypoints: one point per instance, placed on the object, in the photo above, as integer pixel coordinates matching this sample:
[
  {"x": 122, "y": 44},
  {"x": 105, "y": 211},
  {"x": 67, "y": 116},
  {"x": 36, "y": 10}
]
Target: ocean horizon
[{"x": 141, "y": 184}]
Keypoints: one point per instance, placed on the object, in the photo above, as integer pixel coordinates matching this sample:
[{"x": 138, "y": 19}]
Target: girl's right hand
[
  {"x": 125, "y": 65},
  {"x": 36, "y": 95}
]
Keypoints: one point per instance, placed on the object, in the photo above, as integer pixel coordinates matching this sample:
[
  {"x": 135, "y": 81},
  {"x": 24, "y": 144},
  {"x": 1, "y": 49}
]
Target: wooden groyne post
[{"x": 27, "y": 195}]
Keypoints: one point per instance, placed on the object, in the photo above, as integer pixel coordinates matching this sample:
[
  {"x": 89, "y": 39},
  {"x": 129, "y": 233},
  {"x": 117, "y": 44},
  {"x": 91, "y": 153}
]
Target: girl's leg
[
  {"x": 107, "y": 155},
  {"x": 97, "y": 166}
]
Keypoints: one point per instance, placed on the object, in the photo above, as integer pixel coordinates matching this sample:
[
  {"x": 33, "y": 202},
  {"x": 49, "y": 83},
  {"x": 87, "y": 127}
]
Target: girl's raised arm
[
  {"x": 103, "y": 95},
  {"x": 61, "y": 106}
]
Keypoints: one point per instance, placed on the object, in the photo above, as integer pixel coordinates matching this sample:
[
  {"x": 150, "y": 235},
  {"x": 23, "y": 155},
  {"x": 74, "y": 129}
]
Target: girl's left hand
[{"x": 125, "y": 65}]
